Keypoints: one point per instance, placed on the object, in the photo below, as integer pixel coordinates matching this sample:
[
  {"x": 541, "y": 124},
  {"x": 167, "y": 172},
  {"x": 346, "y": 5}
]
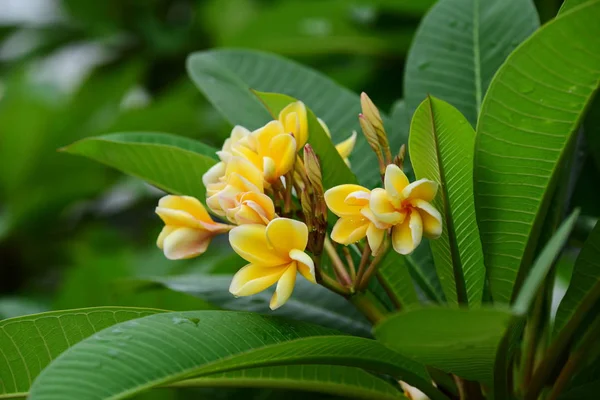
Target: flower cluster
[
  {"x": 268, "y": 186},
  {"x": 256, "y": 169}
]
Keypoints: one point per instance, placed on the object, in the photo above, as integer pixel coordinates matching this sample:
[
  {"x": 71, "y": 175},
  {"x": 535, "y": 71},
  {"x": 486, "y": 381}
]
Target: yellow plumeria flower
[
  {"x": 351, "y": 204},
  {"x": 275, "y": 253},
  {"x": 344, "y": 148},
  {"x": 237, "y": 137},
  {"x": 188, "y": 227},
  {"x": 240, "y": 176},
  {"x": 249, "y": 208},
  {"x": 271, "y": 149},
  {"x": 294, "y": 120},
  {"x": 407, "y": 207}
]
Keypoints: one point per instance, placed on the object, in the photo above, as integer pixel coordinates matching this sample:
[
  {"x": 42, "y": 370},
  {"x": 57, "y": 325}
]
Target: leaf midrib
[
  {"x": 459, "y": 279},
  {"x": 477, "y": 56}
]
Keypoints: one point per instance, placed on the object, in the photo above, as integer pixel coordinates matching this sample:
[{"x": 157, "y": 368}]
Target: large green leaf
[
  {"x": 310, "y": 302},
  {"x": 529, "y": 114},
  {"x": 135, "y": 356},
  {"x": 351, "y": 383},
  {"x": 29, "y": 343},
  {"x": 459, "y": 341},
  {"x": 226, "y": 77},
  {"x": 584, "y": 281},
  {"x": 459, "y": 47},
  {"x": 441, "y": 145},
  {"x": 395, "y": 275},
  {"x": 335, "y": 171},
  {"x": 172, "y": 163}
]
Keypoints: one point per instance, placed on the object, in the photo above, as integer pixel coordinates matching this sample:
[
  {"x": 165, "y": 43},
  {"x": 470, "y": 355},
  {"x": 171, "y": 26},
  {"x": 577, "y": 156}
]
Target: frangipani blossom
[
  {"x": 407, "y": 207},
  {"x": 351, "y": 204},
  {"x": 343, "y": 148},
  {"x": 271, "y": 148},
  {"x": 275, "y": 254},
  {"x": 249, "y": 208},
  {"x": 188, "y": 227},
  {"x": 294, "y": 120}
]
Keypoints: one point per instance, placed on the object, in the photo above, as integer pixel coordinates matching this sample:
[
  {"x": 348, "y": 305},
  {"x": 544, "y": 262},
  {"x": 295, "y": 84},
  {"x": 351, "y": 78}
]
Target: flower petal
[
  {"x": 285, "y": 234},
  {"x": 368, "y": 214},
  {"x": 214, "y": 174},
  {"x": 283, "y": 153},
  {"x": 238, "y": 168},
  {"x": 336, "y": 200},
  {"x": 423, "y": 189},
  {"x": 432, "y": 219},
  {"x": 177, "y": 218},
  {"x": 383, "y": 209},
  {"x": 188, "y": 204},
  {"x": 253, "y": 279},
  {"x": 250, "y": 242},
  {"x": 294, "y": 119},
  {"x": 375, "y": 238},
  {"x": 407, "y": 235},
  {"x": 184, "y": 243},
  {"x": 349, "y": 230},
  {"x": 345, "y": 148},
  {"x": 166, "y": 231},
  {"x": 325, "y": 127},
  {"x": 285, "y": 287},
  {"x": 395, "y": 181},
  {"x": 306, "y": 266}
]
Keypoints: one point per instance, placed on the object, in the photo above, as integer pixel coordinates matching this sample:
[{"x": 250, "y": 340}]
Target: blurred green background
[{"x": 72, "y": 232}]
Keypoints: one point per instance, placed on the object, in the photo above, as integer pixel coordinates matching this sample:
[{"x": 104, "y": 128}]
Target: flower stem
[
  {"x": 362, "y": 284},
  {"x": 368, "y": 307},
  {"x": 338, "y": 265},
  {"x": 363, "y": 263},
  {"x": 350, "y": 263}
]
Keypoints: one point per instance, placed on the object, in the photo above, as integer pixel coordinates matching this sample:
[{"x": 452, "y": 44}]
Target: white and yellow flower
[
  {"x": 351, "y": 204},
  {"x": 249, "y": 208},
  {"x": 271, "y": 149},
  {"x": 275, "y": 254},
  {"x": 343, "y": 148},
  {"x": 407, "y": 207},
  {"x": 188, "y": 227},
  {"x": 294, "y": 120}
]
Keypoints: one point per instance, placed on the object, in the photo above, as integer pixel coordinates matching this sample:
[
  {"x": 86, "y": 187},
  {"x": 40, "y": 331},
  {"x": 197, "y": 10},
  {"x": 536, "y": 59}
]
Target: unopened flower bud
[
  {"x": 372, "y": 115},
  {"x": 399, "y": 158},
  {"x": 313, "y": 169},
  {"x": 370, "y": 133}
]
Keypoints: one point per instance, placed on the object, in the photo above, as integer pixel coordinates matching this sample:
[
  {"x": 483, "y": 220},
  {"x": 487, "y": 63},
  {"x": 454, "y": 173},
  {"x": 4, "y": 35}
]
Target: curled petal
[
  {"x": 407, "y": 235},
  {"x": 368, "y": 214},
  {"x": 188, "y": 204},
  {"x": 269, "y": 169},
  {"x": 177, "y": 218},
  {"x": 254, "y": 208},
  {"x": 214, "y": 188},
  {"x": 395, "y": 181},
  {"x": 250, "y": 242},
  {"x": 336, "y": 200},
  {"x": 182, "y": 243},
  {"x": 423, "y": 189},
  {"x": 375, "y": 238},
  {"x": 283, "y": 152},
  {"x": 349, "y": 230},
  {"x": 253, "y": 279},
  {"x": 383, "y": 209},
  {"x": 263, "y": 136},
  {"x": 294, "y": 119},
  {"x": 166, "y": 231},
  {"x": 214, "y": 174},
  {"x": 242, "y": 173},
  {"x": 432, "y": 219},
  {"x": 345, "y": 148},
  {"x": 358, "y": 198},
  {"x": 238, "y": 133},
  {"x": 325, "y": 127},
  {"x": 284, "y": 234},
  {"x": 306, "y": 266},
  {"x": 247, "y": 154},
  {"x": 285, "y": 287}
]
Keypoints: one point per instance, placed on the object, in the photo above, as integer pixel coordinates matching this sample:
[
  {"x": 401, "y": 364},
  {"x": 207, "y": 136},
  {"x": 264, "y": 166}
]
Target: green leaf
[
  {"x": 226, "y": 76},
  {"x": 567, "y": 5},
  {"x": 459, "y": 341},
  {"x": 132, "y": 357},
  {"x": 503, "y": 367},
  {"x": 542, "y": 266},
  {"x": 584, "y": 281},
  {"x": 460, "y": 45},
  {"x": 395, "y": 276},
  {"x": 29, "y": 343},
  {"x": 331, "y": 379},
  {"x": 529, "y": 114},
  {"x": 441, "y": 147},
  {"x": 310, "y": 302},
  {"x": 171, "y": 163},
  {"x": 334, "y": 169}
]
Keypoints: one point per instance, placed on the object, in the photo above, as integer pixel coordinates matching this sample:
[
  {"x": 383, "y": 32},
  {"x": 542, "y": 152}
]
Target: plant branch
[
  {"x": 338, "y": 265},
  {"x": 368, "y": 307},
  {"x": 362, "y": 284},
  {"x": 363, "y": 263},
  {"x": 391, "y": 295}
]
